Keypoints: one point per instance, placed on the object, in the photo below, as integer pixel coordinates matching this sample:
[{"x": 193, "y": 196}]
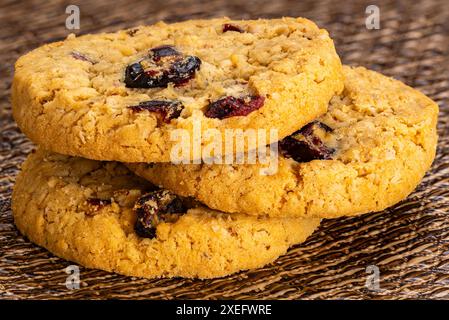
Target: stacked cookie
[{"x": 136, "y": 172}]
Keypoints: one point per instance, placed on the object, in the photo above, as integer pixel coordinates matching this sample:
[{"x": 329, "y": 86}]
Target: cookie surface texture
[
  {"x": 369, "y": 151},
  {"x": 119, "y": 96},
  {"x": 82, "y": 210}
]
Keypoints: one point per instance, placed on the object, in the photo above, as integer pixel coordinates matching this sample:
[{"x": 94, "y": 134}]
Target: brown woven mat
[{"x": 409, "y": 243}]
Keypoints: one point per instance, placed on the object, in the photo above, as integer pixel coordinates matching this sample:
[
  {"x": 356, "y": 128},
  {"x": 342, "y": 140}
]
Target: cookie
[
  {"x": 369, "y": 151},
  {"x": 100, "y": 215},
  {"x": 119, "y": 96}
]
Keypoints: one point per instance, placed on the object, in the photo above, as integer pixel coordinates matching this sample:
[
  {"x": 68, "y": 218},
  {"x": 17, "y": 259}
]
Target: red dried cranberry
[
  {"x": 96, "y": 204},
  {"x": 153, "y": 208},
  {"x": 232, "y": 106},
  {"x": 230, "y": 27},
  {"x": 164, "y": 65},
  {"x": 135, "y": 76},
  {"x": 184, "y": 69},
  {"x": 164, "y": 51},
  {"x": 168, "y": 109},
  {"x": 305, "y": 145}
]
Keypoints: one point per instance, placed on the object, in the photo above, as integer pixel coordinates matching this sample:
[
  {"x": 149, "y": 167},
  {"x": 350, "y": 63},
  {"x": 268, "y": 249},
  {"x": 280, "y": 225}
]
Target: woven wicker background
[{"x": 409, "y": 243}]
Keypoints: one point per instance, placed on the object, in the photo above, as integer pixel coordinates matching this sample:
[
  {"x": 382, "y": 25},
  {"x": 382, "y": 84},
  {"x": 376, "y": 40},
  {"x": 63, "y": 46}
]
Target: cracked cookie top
[{"x": 79, "y": 96}]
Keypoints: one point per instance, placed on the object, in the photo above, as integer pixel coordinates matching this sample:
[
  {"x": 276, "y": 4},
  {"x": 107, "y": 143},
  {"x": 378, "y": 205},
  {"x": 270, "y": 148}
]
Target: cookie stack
[{"x": 153, "y": 142}]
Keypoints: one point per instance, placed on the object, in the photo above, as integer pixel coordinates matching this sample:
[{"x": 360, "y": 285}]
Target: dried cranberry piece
[
  {"x": 164, "y": 51},
  {"x": 168, "y": 109},
  {"x": 180, "y": 72},
  {"x": 305, "y": 145},
  {"x": 232, "y": 106},
  {"x": 164, "y": 65},
  {"x": 184, "y": 69},
  {"x": 154, "y": 208},
  {"x": 230, "y": 27},
  {"x": 134, "y": 76},
  {"x": 96, "y": 204}
]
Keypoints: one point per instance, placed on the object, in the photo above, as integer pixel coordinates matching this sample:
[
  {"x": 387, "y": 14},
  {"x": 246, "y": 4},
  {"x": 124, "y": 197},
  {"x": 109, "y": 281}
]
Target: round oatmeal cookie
[
  {"x": 120, "y": 96},
  {"x": 100, "y": 215},
  {"x": 369, "y": 151}
]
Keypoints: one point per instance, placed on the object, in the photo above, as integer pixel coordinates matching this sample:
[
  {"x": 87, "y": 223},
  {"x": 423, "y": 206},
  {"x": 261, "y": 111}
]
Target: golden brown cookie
[
  {"x": 82, "y": 210},
  {"x": 369, "y": 151},
  {"x": 119, "y": 96}
]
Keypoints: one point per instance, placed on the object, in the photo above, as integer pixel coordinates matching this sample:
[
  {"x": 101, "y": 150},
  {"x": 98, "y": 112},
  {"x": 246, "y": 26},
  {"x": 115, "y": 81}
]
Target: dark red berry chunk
[
  {"x": 231, "y": 106},
  {"x": 98, "y": 202},
  {"x": 95, "y": 205},
  {"x": 164, "y": 65},
  {"x": 164, "y": 51},
  {"x": 230, "y": 27},
  {"x": 168, "y": 109},
  {"x": 153, "y": 208},
  {"x": 306, "y": 145}
]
